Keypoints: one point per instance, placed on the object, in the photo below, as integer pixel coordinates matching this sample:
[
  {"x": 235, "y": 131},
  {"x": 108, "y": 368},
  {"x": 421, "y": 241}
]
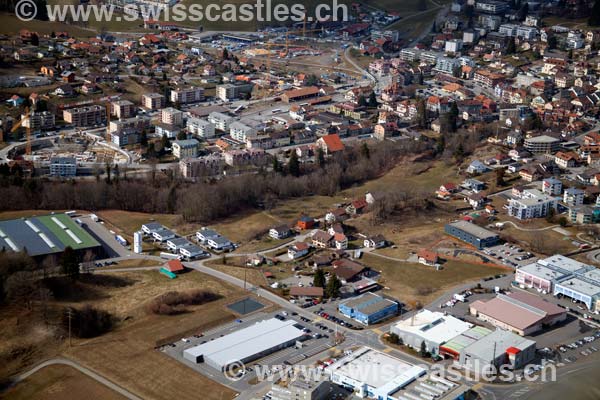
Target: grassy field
[
  {"x": 130, "y": 222},
  {"x": 135, "y": 263},
  {"x": 60, "y": 382},
  {"x": 417, "y": 282},
  {"x": 127, "y": 355},
  {"x": 12, "y": 25}
]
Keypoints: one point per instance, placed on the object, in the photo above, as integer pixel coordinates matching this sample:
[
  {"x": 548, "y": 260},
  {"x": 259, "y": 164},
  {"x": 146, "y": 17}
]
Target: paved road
[{"x": 83, "y": 370}]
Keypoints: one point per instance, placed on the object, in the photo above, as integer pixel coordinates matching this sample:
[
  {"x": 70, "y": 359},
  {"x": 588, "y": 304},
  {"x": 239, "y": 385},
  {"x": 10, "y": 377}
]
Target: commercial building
[
  {"x": 453, "y": 347},
  {"x": 532, "y": 204},
  {"x": 300, "y": 389},
  {"x": 368, "y": 308},
  {"x": 543, "y": 274},
  {"x": 542, "y": 144},
  {"x": 64, "y": 167},
  {"x": 472, "y": 234},
  {"x": 247, "y": 344},
  {"x": 45, "y": 235},
  {"x": 185, "y": 148},
  {"x": 300, "y": 94},
  {"x": 583, "y": 286},
  {"x": 373, "y": 374},
  {"x": 187, "y": 95},
  {"x": 498, "y": 348},
  {"x": 85, "y": 116},
  {"x": 429, "y": 327},
  {"x": 153, "y": 101},
  {"x": 520, "y": 313}
]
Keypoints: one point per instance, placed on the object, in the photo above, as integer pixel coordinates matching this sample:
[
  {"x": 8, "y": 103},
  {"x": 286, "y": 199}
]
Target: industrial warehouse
[
  {"x": 369, "y": 308},
  {"x": 248, "y": 344},
  {"x": 563, "y": 276},
  {"x": 429, "y": 327},
  {"x": 370, "y": 373},
  {"x": 44, "y": 235},
  {"x": 472, "y": 234},
  {"x": 521, "y": 313}
]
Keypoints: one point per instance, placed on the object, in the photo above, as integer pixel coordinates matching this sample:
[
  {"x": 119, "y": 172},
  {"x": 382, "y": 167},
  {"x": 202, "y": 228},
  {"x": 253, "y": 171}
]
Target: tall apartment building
[
  {"x": 171, "y": 116},
  {"x": 85, "y": 116},
  {"x": 201, "y": 128},
  {"x": 532, "y": 204},
  {"x": 185, "y": 148},
  {"x": 128, "y": 131},
  {"x": 122, "y": 109},
  {"x": 230, "y": 91},
  {"x": 153, "y": 101},
  {"x": 39, "y": 121},
  {"x": 187, "y": 95},
  {"x": 220, "y": 121}
]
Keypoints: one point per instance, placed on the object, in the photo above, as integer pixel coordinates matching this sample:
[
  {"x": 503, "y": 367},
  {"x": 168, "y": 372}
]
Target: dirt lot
[
  {"x": 60, "y": 382},
  {"x": 416, "y": 282}
]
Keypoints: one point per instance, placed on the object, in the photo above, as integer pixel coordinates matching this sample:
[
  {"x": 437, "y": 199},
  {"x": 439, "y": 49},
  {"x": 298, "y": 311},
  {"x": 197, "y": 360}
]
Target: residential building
[
  {"x": 573, "y": 197},
  {"x": 122, "y": 109},
  {"x": 542, "y": 144},
  {"x": 63, "y": 167},
  {"x": 280, "y": 232},
  {"x": 39, "y": 121},
  {"x": 552, "y": 187},
  {"x": 298, "y": 250},
  {"x": 185, "y": 148},
  {"x": 171, "y": 116},
  {"x": 153, "y": 101},
  {"x": 85, "y": 116},
  {"x": 221, "y": 121},
  {"x": 241, "y": 131},
  {"x": 229, "y": 91},
  {"x": 200, "y": 127},
  {"x": 532, "y": 204},
  {"x": 187, "y": 95}
]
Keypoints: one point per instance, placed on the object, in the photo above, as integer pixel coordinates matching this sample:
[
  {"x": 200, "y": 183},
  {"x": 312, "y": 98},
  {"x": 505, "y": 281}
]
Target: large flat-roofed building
[
  {"x": 532, "y": 204},
  {"x": 520, "y": 313},
  {"x": 542, "y": 144},
  {"x": 543, "y": 274},
  {"x": 472, "y": 234},
  {"x": 498, "y": 348},
  {"x": 454, "y": 346},
  {"x": 300, "y": 94},
  {"x": 247, "y": 344},
  {"x": 44, "y": 235},
  {"x": 364, "y": 372},
  {"x": 301, "y": 389},
  {"x": 368, "y": 308},
  {"x": 583, "y": 286},
  {"x": 432, "y": 328}
]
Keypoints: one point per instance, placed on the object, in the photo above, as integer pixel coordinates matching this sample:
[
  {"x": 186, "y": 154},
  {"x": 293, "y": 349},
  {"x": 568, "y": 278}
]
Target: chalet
[
  {"x": 350, "y": 271},
  {"x": 375, "y": 242},
  {"x": 322, "y": 239},
  {"x": 298, "y": 250},
  {"x": 427, "y": 257},
  {"x": 357, "y": 207},
  {"x": 565, "y": 160},
  {"x": 341, "y": 241},
  {"x": 337, "y": 215},
  {"x": 280, "y": 232}
]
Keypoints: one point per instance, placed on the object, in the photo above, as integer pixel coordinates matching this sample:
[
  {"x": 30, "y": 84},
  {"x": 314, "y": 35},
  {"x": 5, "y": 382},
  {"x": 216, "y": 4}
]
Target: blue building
[
  {"x": 369, "y": 308},
  {"x": 472, "y": 234}
]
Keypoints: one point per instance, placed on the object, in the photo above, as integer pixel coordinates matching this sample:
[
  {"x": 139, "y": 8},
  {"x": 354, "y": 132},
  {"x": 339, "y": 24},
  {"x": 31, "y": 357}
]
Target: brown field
[
  {"x": 416, "y": 282},
  {"x": 135, "y": 263},
  {"x": 24, "y": 213},
  {"x": 127, "y": 355},
  {"x": 60, "y": 382}
]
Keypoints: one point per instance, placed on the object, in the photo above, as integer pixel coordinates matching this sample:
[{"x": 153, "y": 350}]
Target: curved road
[{"x": 83, "y": 370}]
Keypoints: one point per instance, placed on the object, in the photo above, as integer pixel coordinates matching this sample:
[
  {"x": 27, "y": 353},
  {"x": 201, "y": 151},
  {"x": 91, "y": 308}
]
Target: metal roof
[
  {"x": 43, "y": 235},
  {"x": 247, "y": 342}
]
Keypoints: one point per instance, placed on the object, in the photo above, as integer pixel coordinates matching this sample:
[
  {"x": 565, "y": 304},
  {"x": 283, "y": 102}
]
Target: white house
[{"x": 298, "y": 250}]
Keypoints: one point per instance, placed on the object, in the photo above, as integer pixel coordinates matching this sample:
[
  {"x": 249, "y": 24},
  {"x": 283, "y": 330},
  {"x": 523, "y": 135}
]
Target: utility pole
[{"x": 70, "y": 317}]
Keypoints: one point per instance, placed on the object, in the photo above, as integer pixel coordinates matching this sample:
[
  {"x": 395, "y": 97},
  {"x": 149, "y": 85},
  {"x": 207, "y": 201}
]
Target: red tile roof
[{"x": 175, "y": 266}]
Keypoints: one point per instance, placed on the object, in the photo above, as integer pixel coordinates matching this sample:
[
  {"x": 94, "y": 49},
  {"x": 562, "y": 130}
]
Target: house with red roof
[
  {"x": 330, "y": 143},
  {"x": 174, "y": 266}
]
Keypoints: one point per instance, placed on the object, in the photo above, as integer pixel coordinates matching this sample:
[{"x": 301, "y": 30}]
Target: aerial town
[{"x": 400, "y": 205}]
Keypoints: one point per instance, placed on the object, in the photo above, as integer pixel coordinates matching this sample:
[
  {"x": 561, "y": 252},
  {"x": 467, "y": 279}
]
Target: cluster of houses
[{"x": 175, "y": 244}]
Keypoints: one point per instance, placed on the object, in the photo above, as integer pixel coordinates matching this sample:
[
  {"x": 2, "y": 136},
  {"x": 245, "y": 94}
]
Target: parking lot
[
  {"x": 510, "y": 255},
  {"x": 319, "y": 340}
]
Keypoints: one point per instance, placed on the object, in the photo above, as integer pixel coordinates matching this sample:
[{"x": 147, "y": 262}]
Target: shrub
[
  {"x": 87, "y": 322},
  {"x": 172, "y": 303}
]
